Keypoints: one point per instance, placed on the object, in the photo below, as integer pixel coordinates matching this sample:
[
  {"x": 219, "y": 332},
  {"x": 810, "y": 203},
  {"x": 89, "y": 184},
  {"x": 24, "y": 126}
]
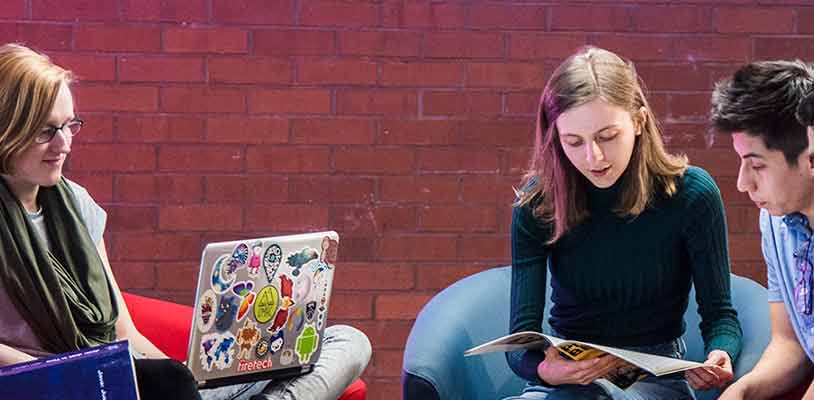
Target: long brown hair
[{"x": 557, "y": 186}]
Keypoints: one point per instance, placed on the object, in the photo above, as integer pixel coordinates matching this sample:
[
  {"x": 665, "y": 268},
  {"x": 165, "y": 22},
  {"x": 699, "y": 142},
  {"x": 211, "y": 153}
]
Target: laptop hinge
[{"x": 306, "y": 368}]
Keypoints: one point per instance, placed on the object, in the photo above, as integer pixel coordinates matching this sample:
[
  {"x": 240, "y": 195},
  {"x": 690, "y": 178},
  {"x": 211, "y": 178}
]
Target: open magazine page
[{"x": 515, "y": 341}]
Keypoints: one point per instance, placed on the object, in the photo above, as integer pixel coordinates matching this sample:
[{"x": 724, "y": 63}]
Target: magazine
[
  {"x": 639, "y": 365},
  {"x": 103, "y": 372}
]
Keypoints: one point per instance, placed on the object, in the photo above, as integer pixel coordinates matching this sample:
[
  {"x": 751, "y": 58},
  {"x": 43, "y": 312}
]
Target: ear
[
  {"x": 810, "y": 150},
  {"x": 640, "y": 120}
]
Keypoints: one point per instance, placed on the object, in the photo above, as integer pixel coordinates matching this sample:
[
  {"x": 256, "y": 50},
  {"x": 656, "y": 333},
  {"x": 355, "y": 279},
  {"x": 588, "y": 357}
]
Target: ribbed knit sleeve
[
  {"x": 529, "y": 257},
  {"x": 704, "y": 231}
]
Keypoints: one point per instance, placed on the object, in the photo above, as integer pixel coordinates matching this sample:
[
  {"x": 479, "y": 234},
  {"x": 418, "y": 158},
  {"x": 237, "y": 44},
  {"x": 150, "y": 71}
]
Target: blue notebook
[{"x": 101, "y": 373}]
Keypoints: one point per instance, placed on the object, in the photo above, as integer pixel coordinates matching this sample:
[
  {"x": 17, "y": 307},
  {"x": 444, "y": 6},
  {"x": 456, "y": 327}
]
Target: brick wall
[{"x": 400, "y": 124}]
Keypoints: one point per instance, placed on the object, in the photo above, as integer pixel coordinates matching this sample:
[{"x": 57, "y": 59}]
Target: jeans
[
  {"x": 345, "y": 354},
  {"x": 665, "y": 387}
]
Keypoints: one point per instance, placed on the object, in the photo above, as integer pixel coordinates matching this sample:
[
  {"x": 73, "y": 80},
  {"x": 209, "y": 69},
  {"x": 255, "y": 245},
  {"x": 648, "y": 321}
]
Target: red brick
[
  {"x": 422, "y": 74},
  {"x": 377, "y": 102},
  {"x": 373, "y": 276},
  {"x": 713, "y": 48},
  {"x": 165, "y": 10},
  {"x": 338, "y": 13},
  {"x": 755, "y": 20},
  {"x": 14, "y": 9},
  {"x": 161, "y": 188},
  {"x": 87, "y": 67},
  {"x": 238, "y": 189},
  {"x": 99, "y": 186},
  {"x": 287, "y": 218},
  {"x": 241, "y": 130},
  {"x": 805, "y": 20},
  {"x": 114, "y": 157},
  {"x": 368, "y": 220},
  {"x": 357, "y": 248},
  {"x": 469, "y": 103},
  {"x": 731, "y": 195},
  {"x": 419, "y": 132},
  {"x": 519, "y": 158},
  {"x": 154, "y": 246},
  {"x": 637, "y": 47},
  {"x": 390, "y": 334},
  {"x": 539, "y": 46},
  {"x": 73, "y": 10},
  {"x": 423, "y": 189},
  {"x": 38, "y": 36},
  {"x": 249, "y": 70},
  {"x": 658, "y": 104},
  {"x": 131, "y": 218},
  {"x": 483, "y": 247},
  {"x": 457, "y": 219},
  {"x": 134, "y": 275},
  {"x": 273, "y": 12},
  {"x": 718, "y": 162},
  {"x": 344, "y": 132},
  {"x": 488, "y": 189},
  {"x": 745, "y": 246},
  {"x": 97, "y": 129},
  {"x": 424, "y": 14},
  {"x": 294, "y": 42},
  {"x": 433, "y": 276},
  {"x": 743, "y": 219},
  {"x": 464, "y": 44},
  {"x": 498, "y": 133},
  {"x": 177, "y": 275},
  {"x": 380, "y": 43},
  {"x": 351, "y": 306},
  {"x": 386, "y": 363},
  {"x": 508, "y": 16},
  {"x": 400, "y": 306},
  {"x": 754, "y": 270},
  {"x": 150, "y": 129},
  {"x": 424, "y": 248},
  {"x": 202, "y": 99},
  {"x": 117, "y": 98},
  {"x": 161, "y": 69},
  {"x": 199, "y": 217},
  {"x": 575, "y": 18},
  {"x": 682, "y": 76},
  {"x": 690, "y": 18},
  {"x": 694, "y": 106},
  {"x": 523, "y": 102},
  {"x": 458, "y": 160},
  {"x": 308, "y": 101},
  {"x": 200, "y": 158},
  {"x": 514, "y": 75},
  {"x": 330, "y": 189},
  {"x": 775, "y": 48},
  {"x": 375, "y": 160},
  {"x": 128, "y": 38},
  {"x": 296, "y": 159},
  {"x": 205, "y": 40},
  {"x": 338, "y": 72}
]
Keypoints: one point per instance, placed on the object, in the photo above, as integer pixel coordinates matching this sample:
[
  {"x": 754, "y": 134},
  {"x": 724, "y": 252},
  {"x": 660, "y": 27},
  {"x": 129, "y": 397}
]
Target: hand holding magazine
[{"x": 639, "y": 365}]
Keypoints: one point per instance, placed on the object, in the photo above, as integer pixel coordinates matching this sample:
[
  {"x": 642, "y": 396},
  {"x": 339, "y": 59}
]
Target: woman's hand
[
  {"x": 717, "y": 372},
  {"x": 556, "y": 370}
]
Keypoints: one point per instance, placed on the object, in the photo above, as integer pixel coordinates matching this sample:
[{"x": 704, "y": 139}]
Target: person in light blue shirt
[{"x": 767, "y": 107}]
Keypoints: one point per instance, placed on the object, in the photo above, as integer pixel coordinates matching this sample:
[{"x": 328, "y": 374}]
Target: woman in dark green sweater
[{"x": 624, "y": 228}]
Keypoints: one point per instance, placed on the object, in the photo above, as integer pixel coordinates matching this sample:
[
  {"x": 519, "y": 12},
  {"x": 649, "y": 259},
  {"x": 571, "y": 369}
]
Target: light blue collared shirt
[{"x": 780, "y": 237}]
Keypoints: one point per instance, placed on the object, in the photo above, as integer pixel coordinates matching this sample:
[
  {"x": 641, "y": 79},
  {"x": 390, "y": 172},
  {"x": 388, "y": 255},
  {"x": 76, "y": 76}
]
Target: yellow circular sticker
[{"x": 266, "y": 303}]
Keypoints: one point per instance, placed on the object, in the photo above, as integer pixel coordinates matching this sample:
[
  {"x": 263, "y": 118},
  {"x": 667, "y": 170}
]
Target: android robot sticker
[{"x": 307, "y": 343}]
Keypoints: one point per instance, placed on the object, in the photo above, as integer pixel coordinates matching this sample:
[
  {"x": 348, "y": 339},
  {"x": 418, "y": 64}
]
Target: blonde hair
[
  {"x": 552, "y": 185},
  {"x": 29, "y": 84}
]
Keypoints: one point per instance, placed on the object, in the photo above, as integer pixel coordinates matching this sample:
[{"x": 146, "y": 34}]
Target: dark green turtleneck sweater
[{"x": 624, "y": 282}]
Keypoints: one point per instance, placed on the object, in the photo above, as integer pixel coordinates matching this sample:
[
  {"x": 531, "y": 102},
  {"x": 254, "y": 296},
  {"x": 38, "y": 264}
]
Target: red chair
[{"x": 167, "y": 325}]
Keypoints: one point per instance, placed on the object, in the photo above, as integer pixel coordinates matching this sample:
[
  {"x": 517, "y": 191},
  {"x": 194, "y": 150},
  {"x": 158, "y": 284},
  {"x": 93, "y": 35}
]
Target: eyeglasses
[
  {"x": 47, "y": 134},
  {"x": 802, "y": 289}
]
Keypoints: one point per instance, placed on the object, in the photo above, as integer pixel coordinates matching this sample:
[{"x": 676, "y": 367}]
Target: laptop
[{"x": 261, "y": 308}]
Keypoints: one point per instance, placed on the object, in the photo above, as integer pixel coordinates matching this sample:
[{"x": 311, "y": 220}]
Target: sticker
[
  {"x": 227, "y": 308},
  {"x": 300, "y": 258},
  {"x": 206, "y": 309},
  {"x": 276, "y": 342},
  {"x": 307, "y": 343},
  {"x": 262, "y": 348},
  {"x": 271, "y": 261},
  {"x": 247, "y": 337},
  {"x": 296, "y": 320},
  {"x": 303, "y": 288},
  {"x": 330, "y": 249},
  {"x": 240, "y": 255},
  {"x": 243, "y": 288},
  {"x": 243, "y": 310},
  {"x": 217, "y": 350},
  {"x": 286, "y": 286},
  {"x": 266, "y": 304},
  {"x": 255, "y": 365},
  {"x": 255, "y": 260},
  {"x": 287, "y": 356},
  {"x": 310, "y": 310},
  {"x": 220, "y": 281}
]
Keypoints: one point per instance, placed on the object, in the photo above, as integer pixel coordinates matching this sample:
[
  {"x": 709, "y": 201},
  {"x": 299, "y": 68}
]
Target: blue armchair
[{"x": 476, "y": 309}]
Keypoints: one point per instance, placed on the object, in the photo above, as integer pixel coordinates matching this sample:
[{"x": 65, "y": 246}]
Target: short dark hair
[
  {"x": 805, "y": 111},
  {"x": 761, "y": 99}
]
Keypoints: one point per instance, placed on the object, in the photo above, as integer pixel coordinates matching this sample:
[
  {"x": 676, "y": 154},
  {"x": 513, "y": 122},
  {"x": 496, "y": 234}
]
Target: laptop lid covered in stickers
[{"x": 261, "y": 308}]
